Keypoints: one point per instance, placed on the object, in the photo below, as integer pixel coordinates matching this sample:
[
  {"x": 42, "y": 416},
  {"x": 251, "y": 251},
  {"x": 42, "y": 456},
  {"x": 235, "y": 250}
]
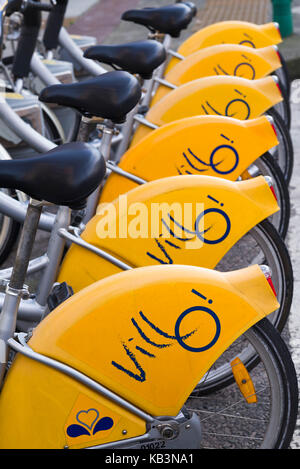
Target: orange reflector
[
  {"x": 245, "y": 175},
  {"x": 243, "y": 380}
]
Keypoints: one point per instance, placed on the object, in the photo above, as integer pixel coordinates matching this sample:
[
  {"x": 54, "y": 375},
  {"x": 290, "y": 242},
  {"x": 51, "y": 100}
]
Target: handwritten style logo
[
  {"x": 223, "y": 160},
  {"x": 237, "y": 107},
  {"x": 198, "y": 234},
  {"x": 244, "y": 69},
  {"x": 138, "y": 373}
]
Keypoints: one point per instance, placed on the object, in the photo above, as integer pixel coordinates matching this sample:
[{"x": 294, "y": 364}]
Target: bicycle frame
[
  {"x": 117, "y": 395},
  {"x": 232, "y": 32},
  {"x": 33, "y": 310},
  {"x": 219, "y": 95},
  {"x": 11, "y": 207},
  {"x": 209, "y": 145},
  {"x": 237, "y": 289},
  {"x": 66, "y": 42},
  {"x": 123, "y": 141},
  {"x": 157, "y": 83}
]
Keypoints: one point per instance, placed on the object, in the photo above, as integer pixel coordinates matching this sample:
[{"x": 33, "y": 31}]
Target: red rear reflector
[
  {"x": 270, "y": 184},
  {"x": 276, "y": 80},
  {"x": 268, "y": 274},
  {"x": 274, "y": 128},
  {"x": 271, "y": 120},
  {"x": 278, "y": 86},
  {"x": 277, "y": 52},
  {"x": 273, "y": 191},
  {"x": 277, "y": 26},
  {"x": 270, "y": 282}
]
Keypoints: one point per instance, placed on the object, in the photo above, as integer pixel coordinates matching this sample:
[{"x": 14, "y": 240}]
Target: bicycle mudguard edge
[
  {"x": 205, "y": 145},
  {"x": 177, "y": 220},
  {"x": 234, "y": 97},
  {"x": 148, "y": 335},
  {"x": 230, "y": 32},
  {"x": 223, "y": 59}
]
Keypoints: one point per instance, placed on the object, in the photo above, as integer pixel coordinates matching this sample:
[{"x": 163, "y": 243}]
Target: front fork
[{"x": 181, "y": 432}]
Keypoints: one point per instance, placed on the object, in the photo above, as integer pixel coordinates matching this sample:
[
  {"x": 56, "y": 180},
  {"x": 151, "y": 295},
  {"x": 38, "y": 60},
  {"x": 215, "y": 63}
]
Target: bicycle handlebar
[
  {"x": 24, "y": 5},
  {"x": 27, "y": 4}
]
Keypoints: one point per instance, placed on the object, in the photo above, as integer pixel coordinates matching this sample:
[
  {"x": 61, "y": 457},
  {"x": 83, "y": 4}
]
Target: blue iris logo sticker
[{"x": 89, "y": 423}]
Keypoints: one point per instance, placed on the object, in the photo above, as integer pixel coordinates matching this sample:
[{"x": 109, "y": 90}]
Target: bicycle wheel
[
  {"x": 284, "y": 108},
  {"x": 267, "y": 166},
  {"x": 283, "y": 74},
  {"x": 228, "y": 421},
  {"x": 261, "y": 245},
  {"x": 284, "y": 152}
]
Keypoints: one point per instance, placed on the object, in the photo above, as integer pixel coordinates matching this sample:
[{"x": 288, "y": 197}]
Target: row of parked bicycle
[{"x": 157, "y": 316}]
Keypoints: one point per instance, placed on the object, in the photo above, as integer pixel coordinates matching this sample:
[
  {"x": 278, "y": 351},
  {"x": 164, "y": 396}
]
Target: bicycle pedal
[{"x": 60, "y": 293}]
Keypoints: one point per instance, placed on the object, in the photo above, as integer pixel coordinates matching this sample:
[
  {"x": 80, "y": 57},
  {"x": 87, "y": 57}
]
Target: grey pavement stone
[
  {"x": 290, "y": 48},
  {"x": 127, "y": 31},
  {"x": 79, "y": 7}
]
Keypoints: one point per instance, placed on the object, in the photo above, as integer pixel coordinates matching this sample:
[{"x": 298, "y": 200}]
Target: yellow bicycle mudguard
[
  {"x": 224, "y": 59},
  {"x": 206, "y": 145},
  {"x": 178, "y": 220},
  {"x": 219, "y": 95},
  {"x": 137, "y": 334},
  {"x": 230, "y": 32}
]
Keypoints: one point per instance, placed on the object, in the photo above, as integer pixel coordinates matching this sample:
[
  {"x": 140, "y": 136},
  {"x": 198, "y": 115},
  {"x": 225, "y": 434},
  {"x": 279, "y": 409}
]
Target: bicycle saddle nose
[
  {"x": 141, "y": 57},
  {"x": 171, "y": 19},
  {"x": 110, "y": 96},
  {"x": 192, "y": 6},
  {"x": 66, "y": 175}
]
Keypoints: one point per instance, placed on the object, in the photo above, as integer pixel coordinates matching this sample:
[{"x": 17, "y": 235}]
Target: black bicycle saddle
[
  {"x": 192, "y": 6},
  {"x": 141, "y": 57},
  {"x": 171, "y": 19},
  {"x": 66, "y": 175},
  {"x": 110, "y": 96}
]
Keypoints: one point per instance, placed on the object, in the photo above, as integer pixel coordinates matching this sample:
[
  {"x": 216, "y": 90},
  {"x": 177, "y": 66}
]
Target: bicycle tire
[
  {"x": 284, "y": 108},
  {"x": 284, "y": 152},
  {"x": 267, "y": 166},
  {"x": 283, "y": 282},
  {"x": 9, "y": 232},
  {"x": 277, "y": 410},
  {"x": 284, "y": 74}
]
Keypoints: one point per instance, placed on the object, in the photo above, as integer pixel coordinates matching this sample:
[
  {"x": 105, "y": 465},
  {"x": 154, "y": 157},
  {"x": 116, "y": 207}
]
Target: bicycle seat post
[
  {"x": 105, "y": 126},
  {"x": 86, "y": 127},
  {"x": 16, "y": 290}
]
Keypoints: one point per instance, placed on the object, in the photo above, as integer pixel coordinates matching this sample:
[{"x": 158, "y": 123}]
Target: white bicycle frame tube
[{"x": 76, "y": 53}]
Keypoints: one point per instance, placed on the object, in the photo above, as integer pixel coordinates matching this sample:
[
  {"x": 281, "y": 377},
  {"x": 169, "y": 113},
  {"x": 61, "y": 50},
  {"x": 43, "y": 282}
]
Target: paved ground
[
  {"x": 293, "y": 241},
  {"x": 256, "y": 11}
]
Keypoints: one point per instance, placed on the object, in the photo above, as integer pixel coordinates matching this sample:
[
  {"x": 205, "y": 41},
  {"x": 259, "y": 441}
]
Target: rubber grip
[
  {"x": 27, "y": 43},
  {"x": 54, "y": 24}
]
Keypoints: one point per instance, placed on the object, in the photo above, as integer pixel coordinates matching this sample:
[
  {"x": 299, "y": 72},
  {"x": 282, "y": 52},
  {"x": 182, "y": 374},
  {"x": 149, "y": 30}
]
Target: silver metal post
[
  {"x": 16, "y": 289},
  {"x": 39, "y": 69},
  {"x": 54, "y": 253},
  {"x": 127, "y": 130},
  {"x": 90, "y": 66}
]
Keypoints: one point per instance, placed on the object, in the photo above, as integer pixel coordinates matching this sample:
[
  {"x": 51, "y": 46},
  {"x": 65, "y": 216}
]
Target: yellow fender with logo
[
  {"x": 176, "y": 220},
  {"x": 230, "y": 32},
  {"x": 193, "y": 314},
  {"x": 219, "y": 95},
  {"x": 224, "y": 59},
  {"x": 204, "y": 145}
]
